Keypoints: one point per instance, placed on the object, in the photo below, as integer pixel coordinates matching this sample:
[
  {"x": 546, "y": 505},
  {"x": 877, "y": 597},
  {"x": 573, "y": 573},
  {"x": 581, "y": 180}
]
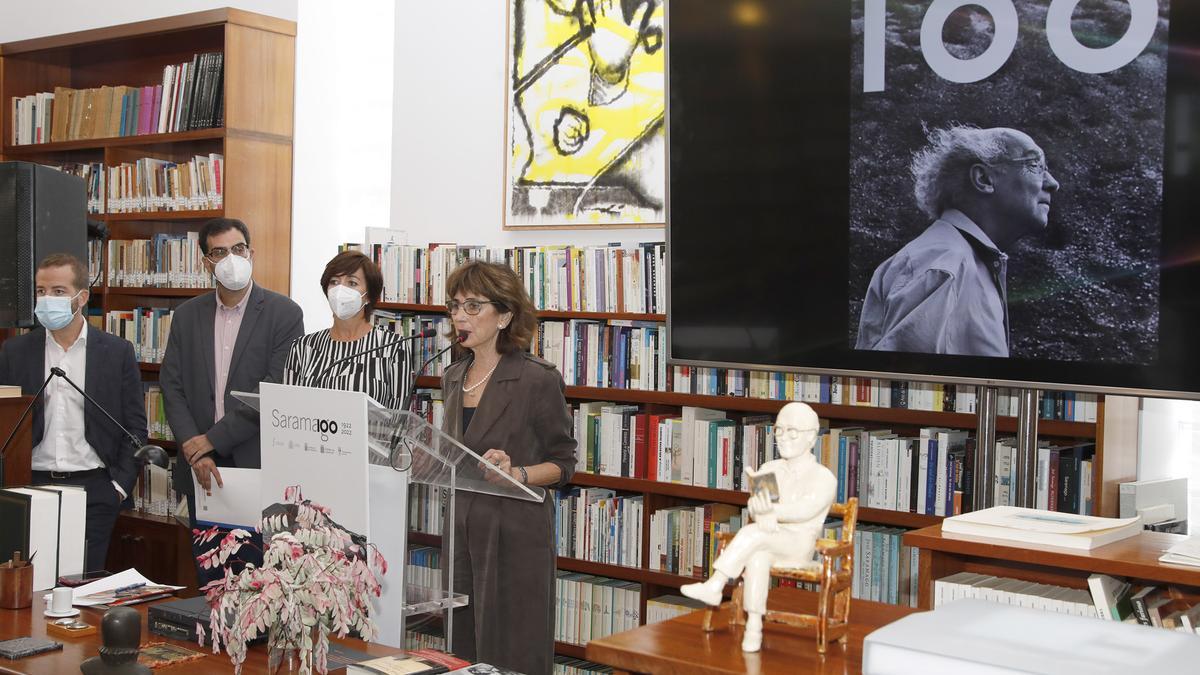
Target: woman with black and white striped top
[{"x": 353, "y": 285}]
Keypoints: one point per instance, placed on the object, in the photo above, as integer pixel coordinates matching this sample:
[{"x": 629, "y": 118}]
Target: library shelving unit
[
  {"x": 255, "y": 141},
  {"x": 658, "y": 495},
  {"x": 1135, "y": 558}
]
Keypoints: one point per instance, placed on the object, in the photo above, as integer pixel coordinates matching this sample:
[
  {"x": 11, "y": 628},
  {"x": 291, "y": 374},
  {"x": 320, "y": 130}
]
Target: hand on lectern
[{"x": 500, "y": 460}]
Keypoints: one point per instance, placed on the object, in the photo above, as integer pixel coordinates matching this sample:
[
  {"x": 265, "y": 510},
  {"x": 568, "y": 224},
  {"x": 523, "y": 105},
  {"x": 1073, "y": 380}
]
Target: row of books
[
  {"x": 164, "y": 261},
  {"x": 150, "y": 185},
  {"x": 614, "y": 354},
  {"x": 926, "y": 473},
  {"x": 612, "y": 278},
  {"x": 191, "y": 96},
  {"x": 1116, "y": 599},
  {"x": 566, "y": 665},
  {"x": 146, "y": 327},
  {"x": 426, "y": 508},
  {"x": 1064, "y": 477},
  {"x": 93, "y": 176},
  {"x": 424, "y": 568},
  {"x": 420, "y": 350},
  {"x": 683, "y": 539},
  {"x": 885, "y": 570},
  {"x": 1047, "y": 597},
  {"x": 424, "y": 636},
  {"x": 599, "y": 525},
  {"x": 154, "y": 491},
  {"x": 590, "y": 607},
  {"x": 665, "y": 607},
  {"x": 620, "y": 354},
  {"x": 95, "y": 260},
  {"x": 156, "y": 413}
]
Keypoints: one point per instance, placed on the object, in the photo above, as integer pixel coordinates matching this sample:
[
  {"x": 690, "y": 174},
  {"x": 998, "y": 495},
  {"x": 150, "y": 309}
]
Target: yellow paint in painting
[{"x": 612, "y": 128}]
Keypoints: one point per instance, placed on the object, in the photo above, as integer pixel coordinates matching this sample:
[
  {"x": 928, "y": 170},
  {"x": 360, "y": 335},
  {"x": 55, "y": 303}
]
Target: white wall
[
  {"x": 21, "y": 20},
  {"x": 448, "y": 141},
  {"x": 341, "y": 180},
  {"x": 1169, "y": 446}
]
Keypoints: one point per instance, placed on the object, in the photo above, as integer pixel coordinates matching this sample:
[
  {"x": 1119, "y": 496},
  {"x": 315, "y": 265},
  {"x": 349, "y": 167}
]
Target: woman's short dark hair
[
  {"x": 219, "y": 226},
  {"x": 498, "y": 283},
  {"x": 347, "y": 263}
]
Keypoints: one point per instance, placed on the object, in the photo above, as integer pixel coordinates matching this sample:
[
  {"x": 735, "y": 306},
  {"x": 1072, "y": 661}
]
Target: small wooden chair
[{"x": 833, "y": 576}]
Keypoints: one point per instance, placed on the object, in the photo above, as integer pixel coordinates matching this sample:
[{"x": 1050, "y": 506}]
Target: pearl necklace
[{"x": 467, "y": 390}]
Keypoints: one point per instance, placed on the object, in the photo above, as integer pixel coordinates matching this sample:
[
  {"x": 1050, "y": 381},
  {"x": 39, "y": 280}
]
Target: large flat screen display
[{"x": 994, "y": 191}]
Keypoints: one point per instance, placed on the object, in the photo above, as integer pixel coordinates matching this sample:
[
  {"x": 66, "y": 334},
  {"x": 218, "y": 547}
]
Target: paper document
[
  {"x": 1035, "y": 520},
  {"x": 1186, "y": 552},
  {"x": 99, "y": 592},
  {"x": 238, "y": 504}
]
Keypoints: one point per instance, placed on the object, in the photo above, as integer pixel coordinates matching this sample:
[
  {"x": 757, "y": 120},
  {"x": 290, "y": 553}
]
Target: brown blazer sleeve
[{"x": 552, "y": 424}]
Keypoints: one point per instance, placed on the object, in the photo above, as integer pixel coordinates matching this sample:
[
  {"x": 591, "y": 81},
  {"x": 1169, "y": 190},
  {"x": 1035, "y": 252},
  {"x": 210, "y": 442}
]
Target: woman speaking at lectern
[
  {"x": 507, "y": 406},
  {"x": 352, "y": 355}
]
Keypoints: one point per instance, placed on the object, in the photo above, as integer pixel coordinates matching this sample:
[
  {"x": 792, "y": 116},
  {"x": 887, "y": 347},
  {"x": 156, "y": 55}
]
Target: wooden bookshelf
[
  {"x": 876, "y": 415},
  {"x": 541, "y": 313},
  {"x": 160, "y": 215},
  {"x": 156, "y": 291},
  {"x": 659, "y": 495},
  {"x": 944, "y": 554},
  {"x": 37, "y": 151},
  {"x": 256, "y": 142},
  {"x": 571, "y": 650}
]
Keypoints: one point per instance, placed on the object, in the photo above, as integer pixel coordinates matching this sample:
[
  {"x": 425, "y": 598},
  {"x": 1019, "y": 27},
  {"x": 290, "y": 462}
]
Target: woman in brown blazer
[{"x": 507, "y": 406}]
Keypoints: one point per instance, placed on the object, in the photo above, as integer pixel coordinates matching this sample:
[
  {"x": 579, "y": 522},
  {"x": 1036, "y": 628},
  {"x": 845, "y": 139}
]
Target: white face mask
[
  {"x": 233, "y": 272},
  {"x": 344, "y": 302}
]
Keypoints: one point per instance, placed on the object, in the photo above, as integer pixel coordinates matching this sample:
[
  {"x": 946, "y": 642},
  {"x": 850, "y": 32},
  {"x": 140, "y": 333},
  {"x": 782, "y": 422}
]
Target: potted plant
[{"x": 316, "y": 578}]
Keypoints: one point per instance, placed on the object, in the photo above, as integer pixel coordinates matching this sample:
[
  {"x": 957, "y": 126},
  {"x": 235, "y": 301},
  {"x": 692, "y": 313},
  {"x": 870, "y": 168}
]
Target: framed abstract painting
[{"x": 586, "y": 101}]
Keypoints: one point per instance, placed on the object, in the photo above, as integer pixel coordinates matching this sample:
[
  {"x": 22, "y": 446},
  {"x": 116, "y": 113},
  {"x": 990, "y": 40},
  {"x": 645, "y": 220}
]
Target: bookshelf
[
  {"x": 255, "y": 141},
  {"x": 657, "y": 495},
  {"x": 1135, "y": 558}
]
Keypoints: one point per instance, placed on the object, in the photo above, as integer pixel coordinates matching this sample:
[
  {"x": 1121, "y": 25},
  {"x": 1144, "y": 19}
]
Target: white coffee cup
[{"x": 60, "y": 600}]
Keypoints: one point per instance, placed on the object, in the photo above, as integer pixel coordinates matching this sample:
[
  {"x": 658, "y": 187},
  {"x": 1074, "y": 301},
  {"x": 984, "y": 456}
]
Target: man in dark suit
[
  {"x": 73, "y": 442},
  {"x": 222, "y": 342}
]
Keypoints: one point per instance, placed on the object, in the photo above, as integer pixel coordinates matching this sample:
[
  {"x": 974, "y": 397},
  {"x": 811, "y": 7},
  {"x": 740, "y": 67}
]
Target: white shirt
[
  {"x": 945, "y": 292},
  {"x": 64, "y": 446}
]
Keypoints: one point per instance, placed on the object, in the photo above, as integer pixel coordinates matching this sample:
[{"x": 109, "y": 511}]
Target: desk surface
[
  {"x": 30, "y": 622},
  {"x": 680, "y": 647}
]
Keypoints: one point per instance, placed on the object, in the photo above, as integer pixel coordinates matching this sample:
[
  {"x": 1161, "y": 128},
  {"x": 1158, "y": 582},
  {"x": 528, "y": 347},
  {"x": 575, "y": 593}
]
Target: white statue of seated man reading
[{"x": 789, "y": 514}]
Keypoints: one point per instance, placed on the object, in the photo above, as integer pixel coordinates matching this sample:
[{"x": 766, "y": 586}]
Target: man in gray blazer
[{"x": 221, "y": 342}]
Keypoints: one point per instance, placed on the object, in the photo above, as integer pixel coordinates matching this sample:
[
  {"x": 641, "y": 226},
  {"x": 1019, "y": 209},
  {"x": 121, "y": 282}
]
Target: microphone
[
  {"x": 412, "y": 389},
  {"x": 408, "y": 401},
  {"x": 97, "y": 229},
  {"x": 428, "y": 332},
  {"x": 143, "y": 452},
  {"x": 24, "y": 414}
]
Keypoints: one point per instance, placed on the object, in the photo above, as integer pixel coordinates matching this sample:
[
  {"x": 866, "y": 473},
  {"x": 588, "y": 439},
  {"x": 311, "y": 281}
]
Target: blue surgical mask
[{"x": 54, "y": 311}]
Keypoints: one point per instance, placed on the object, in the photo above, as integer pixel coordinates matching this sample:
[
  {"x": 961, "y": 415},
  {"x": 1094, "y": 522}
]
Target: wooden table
[
  {"x": 30, "y": 622},
  {"x": 680, "y": 647}
]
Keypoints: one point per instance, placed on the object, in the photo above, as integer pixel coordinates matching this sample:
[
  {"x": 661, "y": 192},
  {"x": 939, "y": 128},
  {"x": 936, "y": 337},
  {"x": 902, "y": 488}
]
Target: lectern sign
[{"x": 317, "y": 439}]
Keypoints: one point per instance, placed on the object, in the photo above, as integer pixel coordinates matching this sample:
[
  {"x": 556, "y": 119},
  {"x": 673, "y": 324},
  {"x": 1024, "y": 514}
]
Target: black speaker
[{"x": 42, "y": 211}]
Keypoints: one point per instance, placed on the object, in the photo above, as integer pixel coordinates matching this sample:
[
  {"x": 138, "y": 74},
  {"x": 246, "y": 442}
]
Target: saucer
[{"x": 61, "y": 615}]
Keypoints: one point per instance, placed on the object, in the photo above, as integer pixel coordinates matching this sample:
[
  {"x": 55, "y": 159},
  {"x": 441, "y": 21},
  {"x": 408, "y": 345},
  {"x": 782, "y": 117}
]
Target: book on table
[
  {"x": 1051, "y": 528},
  {"x": 414, "y": 662}
]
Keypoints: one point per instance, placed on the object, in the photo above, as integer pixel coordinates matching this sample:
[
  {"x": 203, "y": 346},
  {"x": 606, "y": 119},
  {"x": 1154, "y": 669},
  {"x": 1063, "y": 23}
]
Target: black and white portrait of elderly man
[{"x": 945, "y": 291}]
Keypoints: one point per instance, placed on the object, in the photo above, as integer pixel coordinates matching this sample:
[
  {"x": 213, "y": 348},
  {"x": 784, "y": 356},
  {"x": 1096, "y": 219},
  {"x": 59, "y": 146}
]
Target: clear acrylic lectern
[{"x": 402, "y": 448}]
